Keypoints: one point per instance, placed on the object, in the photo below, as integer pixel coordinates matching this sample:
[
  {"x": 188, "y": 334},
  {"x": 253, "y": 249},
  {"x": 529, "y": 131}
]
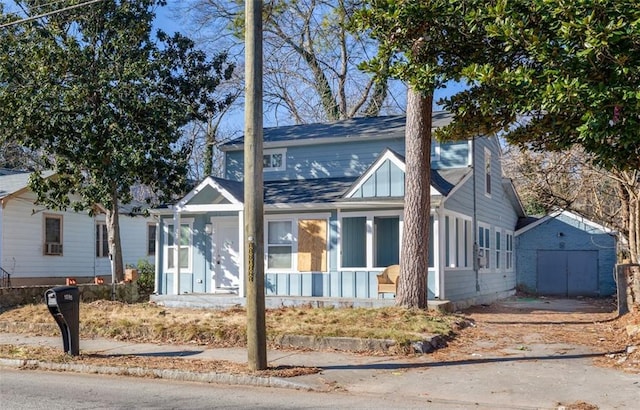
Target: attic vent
[{"x": 53, "y": 249}]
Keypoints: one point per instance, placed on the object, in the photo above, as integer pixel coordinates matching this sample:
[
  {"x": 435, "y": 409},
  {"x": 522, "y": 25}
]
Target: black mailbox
[{"x": 64, "y": 304}]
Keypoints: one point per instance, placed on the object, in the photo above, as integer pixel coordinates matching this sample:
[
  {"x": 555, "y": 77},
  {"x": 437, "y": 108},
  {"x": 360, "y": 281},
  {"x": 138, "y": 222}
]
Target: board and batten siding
[{"x": 346, "y": 159}]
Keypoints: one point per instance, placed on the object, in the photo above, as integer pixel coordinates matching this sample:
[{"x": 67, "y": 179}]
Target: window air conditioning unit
[{"x": 53, "y": 248}]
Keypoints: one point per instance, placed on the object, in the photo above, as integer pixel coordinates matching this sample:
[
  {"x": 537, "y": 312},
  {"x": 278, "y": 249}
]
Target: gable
[
  {"x": 212, "y": 194},
  {"x": 387, "y": 180},
  {"x": 566, "y": 218},
  {"x": 208, "y": 195}
]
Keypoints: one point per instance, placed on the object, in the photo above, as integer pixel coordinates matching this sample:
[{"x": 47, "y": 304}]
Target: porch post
[
  {"x": 176, "y": 251},
  {"x": 242, "y": 291}
]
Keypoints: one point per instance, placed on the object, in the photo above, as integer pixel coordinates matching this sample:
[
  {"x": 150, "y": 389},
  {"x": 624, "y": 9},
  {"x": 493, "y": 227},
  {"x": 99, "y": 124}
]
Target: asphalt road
[{"x": 30, "y": 390}]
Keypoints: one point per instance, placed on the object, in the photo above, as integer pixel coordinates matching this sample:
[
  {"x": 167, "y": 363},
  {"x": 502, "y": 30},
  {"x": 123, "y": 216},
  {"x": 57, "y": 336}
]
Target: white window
[
  {"x": 435, "y": 150},
  {"x": 186, "y": 239},
  {"x": 498, "y": 245},
  {"x": 484, "y": 246},
  {"x": 151, "y": 239},
  {"x": 298, "y": 243},
  {"x": 52, "y": 235},
  {"x": 508, "y": 251},
  {"x": 102, "y": 240},
  {"x": 279, "y": 245},
  {"x": 458, "y": 242},
  {"x": 274, "y": 159},
  {"x": 487, "y": 172},
  {"x": 370, "y": 240}
]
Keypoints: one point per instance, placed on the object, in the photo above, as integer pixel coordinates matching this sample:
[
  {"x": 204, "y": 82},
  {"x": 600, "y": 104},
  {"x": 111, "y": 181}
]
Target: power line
[{"x": 39, "y": 16}]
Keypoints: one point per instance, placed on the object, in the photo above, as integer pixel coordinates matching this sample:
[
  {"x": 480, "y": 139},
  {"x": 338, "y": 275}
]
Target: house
[
  {"x": 564, "y": 254},
  {"x": 333, "y": 203},
  {"x": 39, "y": 246}
]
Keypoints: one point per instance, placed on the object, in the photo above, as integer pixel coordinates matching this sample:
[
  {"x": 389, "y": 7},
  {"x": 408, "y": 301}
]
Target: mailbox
[{"x": 64, "y": 305}]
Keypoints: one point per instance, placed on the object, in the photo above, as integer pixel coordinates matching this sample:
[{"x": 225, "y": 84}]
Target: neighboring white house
[{"x": 43, "y": 246}]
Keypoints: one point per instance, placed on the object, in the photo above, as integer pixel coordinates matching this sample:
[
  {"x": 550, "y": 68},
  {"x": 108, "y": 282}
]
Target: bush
[{"x": 146, "y": 279}]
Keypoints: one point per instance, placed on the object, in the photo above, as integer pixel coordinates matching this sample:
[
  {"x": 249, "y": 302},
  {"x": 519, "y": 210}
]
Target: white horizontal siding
[{"x": 22, "y": 242}]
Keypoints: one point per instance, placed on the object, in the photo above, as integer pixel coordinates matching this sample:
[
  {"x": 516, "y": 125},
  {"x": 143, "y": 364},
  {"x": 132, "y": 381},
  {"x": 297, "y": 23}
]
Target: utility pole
[{"x": 253, "y": 188}]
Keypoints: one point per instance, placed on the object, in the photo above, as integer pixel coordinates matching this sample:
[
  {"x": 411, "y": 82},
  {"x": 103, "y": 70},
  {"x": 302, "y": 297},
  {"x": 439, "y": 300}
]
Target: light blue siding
[
  {"x": 346, "y": 159},
  {"x": 565, "y": 234},
  {"x": 454, "y": 154},
  {"x": 496, "y": 211}
]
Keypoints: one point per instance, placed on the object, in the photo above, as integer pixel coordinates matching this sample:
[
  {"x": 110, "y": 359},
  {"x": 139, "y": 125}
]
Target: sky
[{"x": 167, "y": 21}]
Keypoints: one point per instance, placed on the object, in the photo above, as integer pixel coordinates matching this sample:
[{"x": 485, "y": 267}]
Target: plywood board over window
[{"x": 312, "y": 245}]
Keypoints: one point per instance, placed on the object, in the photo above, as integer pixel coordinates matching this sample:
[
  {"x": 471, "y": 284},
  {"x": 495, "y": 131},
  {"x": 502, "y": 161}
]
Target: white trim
[
  {"x": 488, "y": 158},
  {"x": 489, "y": 249},
  {"x": 242, "y": 291},
  {"x": 568, "y": 214},
  {"x": 165, "y": 231},
  {"x": 294, "y": 219},
  {"x": 386, "y": 155},
  {"x": 457, "y": 242},
  {"x": 508, "y": 233},
  {"x": 436, "y": 150},
  {"x": 216, "y": 222},
  {"x": 208, "y": 181},
  {"x": 274, "y": 151},
  {"x": 369, "y": 215}
]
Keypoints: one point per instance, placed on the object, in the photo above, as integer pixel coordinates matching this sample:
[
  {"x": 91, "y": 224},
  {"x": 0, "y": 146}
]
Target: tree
[
  {"x": 560, "y": 74},
  {"x": 429, "y": 42},
  {"x": 104, "y": 102},
  {"x": 569, "y": 180},
  {"x": 311, "y": 58},
  {"x": 570, "y": 69}
]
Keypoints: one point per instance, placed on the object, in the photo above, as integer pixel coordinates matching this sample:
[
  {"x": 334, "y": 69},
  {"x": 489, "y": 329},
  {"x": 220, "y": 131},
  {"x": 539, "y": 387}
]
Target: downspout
[{"x": 476, "y": 262}]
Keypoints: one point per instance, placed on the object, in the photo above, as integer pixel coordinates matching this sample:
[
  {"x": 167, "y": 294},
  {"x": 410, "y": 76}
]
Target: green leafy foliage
[
  {"x": 569, "y": 71},
  {"x": 146, "y": 279},
  {"x": 103, "y": 101}
]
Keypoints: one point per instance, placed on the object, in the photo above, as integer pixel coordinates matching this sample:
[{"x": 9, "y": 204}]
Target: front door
[{"x": 225, "y": 274}]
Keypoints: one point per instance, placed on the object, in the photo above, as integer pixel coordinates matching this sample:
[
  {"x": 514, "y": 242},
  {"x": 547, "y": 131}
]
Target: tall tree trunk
[
  {"x": 414, "y": 261},
  {"x": 113, "y": 232}
]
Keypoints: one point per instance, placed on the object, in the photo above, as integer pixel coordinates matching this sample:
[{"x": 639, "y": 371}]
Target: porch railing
[{"x": 5, "y": 280}]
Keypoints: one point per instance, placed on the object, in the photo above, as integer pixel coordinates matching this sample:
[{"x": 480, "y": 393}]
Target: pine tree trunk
[
  {"x": 414, "y": 260},
  {"x": 115, "y": 247}
]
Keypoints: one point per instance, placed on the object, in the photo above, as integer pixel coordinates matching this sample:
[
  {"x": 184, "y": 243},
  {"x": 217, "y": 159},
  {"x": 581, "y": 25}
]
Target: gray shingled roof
[
  {"x": 444, "y": 180},
  {"x": 306, "y": 191},
  {"x": 367, "y": 127},
  {"x": 326, "y": 190},
  {"x": 235, "y": 188},
  {"x": 11, "y": 183}
]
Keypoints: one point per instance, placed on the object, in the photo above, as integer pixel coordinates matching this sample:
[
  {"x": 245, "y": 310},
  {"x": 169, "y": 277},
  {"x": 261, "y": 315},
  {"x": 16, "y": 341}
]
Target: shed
[{"x": 564, "y": 254}]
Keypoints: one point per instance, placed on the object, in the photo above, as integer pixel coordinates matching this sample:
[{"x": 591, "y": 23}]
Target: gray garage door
[{"x": 568, "y": 273}]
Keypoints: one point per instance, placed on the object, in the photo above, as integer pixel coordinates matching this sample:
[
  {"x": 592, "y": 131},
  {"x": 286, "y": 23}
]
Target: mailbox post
[{"x": 64, "y": 305}]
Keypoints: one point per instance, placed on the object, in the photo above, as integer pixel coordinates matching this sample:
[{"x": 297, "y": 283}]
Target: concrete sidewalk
[{"x": 541, "y": 377}]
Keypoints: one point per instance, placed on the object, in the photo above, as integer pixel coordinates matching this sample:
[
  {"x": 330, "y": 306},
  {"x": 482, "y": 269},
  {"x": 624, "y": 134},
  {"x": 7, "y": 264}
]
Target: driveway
[{"x": 523, "y": 353}]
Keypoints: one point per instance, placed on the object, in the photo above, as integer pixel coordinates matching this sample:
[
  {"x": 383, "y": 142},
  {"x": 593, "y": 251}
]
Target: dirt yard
[{"x": 519, "y": 323}]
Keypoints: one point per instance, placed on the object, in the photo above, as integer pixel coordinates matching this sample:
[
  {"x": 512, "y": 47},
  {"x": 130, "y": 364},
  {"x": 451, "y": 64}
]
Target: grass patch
[{"x": 156, "y": 324}]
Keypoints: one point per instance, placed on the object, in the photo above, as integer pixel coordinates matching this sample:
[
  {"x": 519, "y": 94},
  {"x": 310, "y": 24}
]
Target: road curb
[{"x": 168, "y": 374}]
